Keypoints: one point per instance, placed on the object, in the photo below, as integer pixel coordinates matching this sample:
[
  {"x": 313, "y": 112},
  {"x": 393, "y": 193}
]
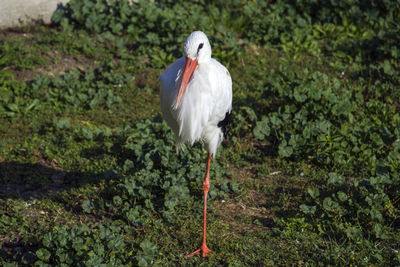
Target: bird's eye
[{"x": 200, "y": 47}]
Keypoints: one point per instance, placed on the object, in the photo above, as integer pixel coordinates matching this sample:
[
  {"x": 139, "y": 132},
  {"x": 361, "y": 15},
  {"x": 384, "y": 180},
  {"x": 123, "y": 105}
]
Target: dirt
[
  {"x": 256, "y": 210},
  {"x": 249, "y": 213},
  {"x": 244, "y": 218},
  {"x": 64, "y": 64},
  {"x": 146, "y": 78},
  {"x": 58, "y": 62}
]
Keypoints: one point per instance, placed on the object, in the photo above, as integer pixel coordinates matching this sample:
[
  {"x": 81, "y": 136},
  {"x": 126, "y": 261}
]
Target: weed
[{"x": 309, "y": 174}]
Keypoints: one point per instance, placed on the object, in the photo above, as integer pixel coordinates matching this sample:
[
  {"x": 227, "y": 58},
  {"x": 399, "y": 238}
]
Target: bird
[{"x": 196, "y": 103}]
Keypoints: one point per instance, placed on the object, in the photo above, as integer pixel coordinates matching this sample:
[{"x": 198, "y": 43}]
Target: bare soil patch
[
  {"x": 61, "y": 64},
  {"x": 247, "y": 213}
]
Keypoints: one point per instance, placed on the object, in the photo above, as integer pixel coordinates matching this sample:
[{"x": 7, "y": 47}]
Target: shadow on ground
[{"x": 26, "y": 181}]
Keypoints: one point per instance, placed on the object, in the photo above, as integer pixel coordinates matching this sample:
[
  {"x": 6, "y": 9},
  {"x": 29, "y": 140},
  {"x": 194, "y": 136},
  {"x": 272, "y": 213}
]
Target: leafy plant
[
  {"x": 146, "y": 255},
  {"x": 90, "y": 174},
  {"x": 155, "y": 178}
]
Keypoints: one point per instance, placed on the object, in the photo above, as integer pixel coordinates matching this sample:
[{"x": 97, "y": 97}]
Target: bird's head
[
  {"x": 197, "y": 47},
  {"x": 197, "y": 50}
]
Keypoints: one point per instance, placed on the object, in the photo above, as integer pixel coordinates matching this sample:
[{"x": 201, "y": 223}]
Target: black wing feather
[{"x": 225, "y": 123}]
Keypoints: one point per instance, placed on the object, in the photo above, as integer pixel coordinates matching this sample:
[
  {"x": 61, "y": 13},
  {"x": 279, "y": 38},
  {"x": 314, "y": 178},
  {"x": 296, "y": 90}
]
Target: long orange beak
[{"x": 190, "y": 67}]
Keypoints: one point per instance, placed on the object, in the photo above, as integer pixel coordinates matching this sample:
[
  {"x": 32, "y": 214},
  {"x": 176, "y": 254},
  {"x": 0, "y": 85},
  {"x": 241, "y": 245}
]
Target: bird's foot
[{"x": 203, "y": 251}]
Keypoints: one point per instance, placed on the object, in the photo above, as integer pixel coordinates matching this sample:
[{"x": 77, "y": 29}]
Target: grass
[
  {"x": 65, "y": 166},
  {"x": 37, "y": 201}
]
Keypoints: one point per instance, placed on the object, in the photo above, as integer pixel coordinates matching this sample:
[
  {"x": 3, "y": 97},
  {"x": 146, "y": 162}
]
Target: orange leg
[{"x": 204, "y": 250}]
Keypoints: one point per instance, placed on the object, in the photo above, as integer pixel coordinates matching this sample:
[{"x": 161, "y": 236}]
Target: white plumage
[
  {"x": 206, "y": 101},
  {"x": 196, "y": 101}
]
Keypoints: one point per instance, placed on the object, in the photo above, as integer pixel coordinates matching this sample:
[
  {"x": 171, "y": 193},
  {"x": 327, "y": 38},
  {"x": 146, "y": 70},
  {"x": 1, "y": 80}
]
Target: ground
[{"x": 89, "y": 172}]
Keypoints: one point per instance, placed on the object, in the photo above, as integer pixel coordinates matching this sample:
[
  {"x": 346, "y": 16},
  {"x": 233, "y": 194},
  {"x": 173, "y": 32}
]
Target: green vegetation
[{"x": 310, "y": 173}]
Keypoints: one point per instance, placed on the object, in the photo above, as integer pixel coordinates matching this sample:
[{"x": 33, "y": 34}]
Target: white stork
[{"x": 196, "y": 101}]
